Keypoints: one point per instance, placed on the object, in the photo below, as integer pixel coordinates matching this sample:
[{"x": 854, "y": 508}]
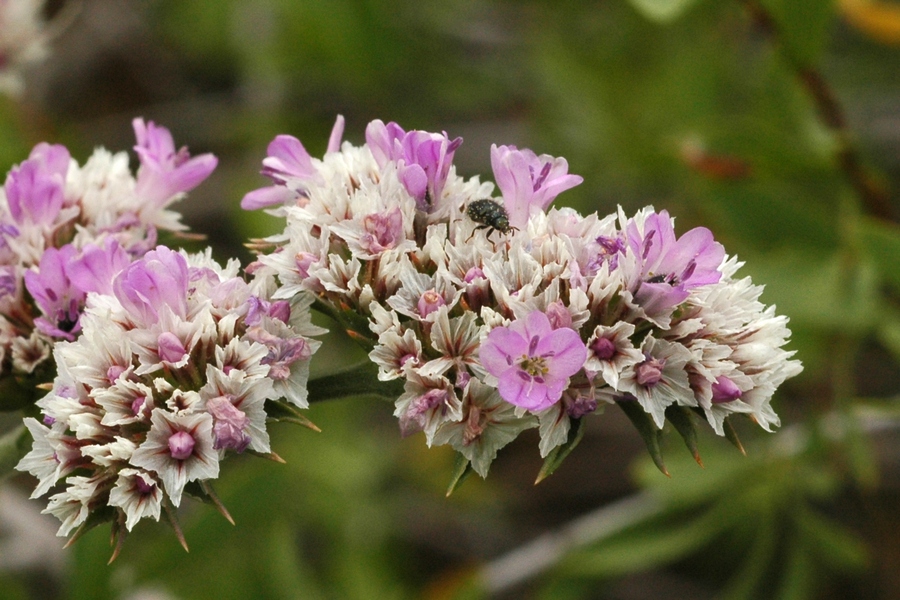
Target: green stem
[
  {"x": 359, "y": 380},
  {"x": 873, "y": 196}
]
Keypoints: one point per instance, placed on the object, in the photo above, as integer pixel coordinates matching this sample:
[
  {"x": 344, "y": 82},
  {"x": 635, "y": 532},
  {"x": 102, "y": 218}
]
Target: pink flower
[
  {"x": 34, "y": 189},
  {"x": 159, "y": 279},
  {"x": 529, "y": 183},
  {"x": 165, "y": 172},
  {"x": 532, "y": 361},
  {"x": 423, "y": 159},
  {"x": 671, "y": 266},
  {"x": 291, "y": 169}
]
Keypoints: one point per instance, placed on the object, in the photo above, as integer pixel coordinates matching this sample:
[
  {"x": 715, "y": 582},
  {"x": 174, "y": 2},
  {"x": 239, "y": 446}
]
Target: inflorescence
[{"x": 497, "y": 313}]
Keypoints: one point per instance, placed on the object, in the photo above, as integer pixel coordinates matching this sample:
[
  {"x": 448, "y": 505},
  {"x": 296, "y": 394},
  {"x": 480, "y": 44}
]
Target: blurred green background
[{"x": 775, "y": 123}]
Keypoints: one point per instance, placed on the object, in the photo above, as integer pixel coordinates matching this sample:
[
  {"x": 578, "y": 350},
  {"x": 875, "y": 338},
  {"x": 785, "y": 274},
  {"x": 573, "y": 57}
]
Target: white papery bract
[
  {"x": 383, "y": 236},
  {"x": 175, "y": 370},
  {"x": 66, "y": 229}
]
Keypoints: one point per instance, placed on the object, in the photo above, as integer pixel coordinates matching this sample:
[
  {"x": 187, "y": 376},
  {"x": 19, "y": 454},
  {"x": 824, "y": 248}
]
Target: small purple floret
[
  {"x": 423, "y": 159},
  {"x": 158, "y": 279},
  {"x": 725, "y": 390},
  {"x": 181, "y": 445},
  {"x": 164, "y": 172},
  {"x": 649, "y": 372},
  {"x": 603, "y": 348},
  {"x": 229, "y": 424},
  {"x": 529, "y": 183},
  {"x": 170, "y": 348}
]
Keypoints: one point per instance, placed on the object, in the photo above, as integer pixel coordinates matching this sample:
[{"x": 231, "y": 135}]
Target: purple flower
[
  {"x": 423, "y": 159},
  {"x": 290, "y": 168},
  {"x": 532, "y": 361},
  {"x": 725, "y": 390},
  {"x": 689, "y": 261},
  {"x": 282, "y": 352},
  {"x": 670, "y": 267},
  {"x": 35, "y": 189},
  {"x": 529, "y": 183},
  {"x": 229, "y": 424},
  {"x": 382, "y": 231},
  {"x": 59, "y": 300},
  {"x": 158, "y": 279},
  {"x": 164, "y": 173},
  {"x": 96, "y": 268}
]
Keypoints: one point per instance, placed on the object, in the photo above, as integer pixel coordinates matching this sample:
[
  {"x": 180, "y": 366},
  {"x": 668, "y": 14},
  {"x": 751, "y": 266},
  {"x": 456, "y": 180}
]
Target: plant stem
[{"x": 875, "y": 199}]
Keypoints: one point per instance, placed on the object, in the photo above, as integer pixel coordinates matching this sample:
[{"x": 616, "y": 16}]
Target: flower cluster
[
  {"x": 501, "y": 314},
  {"x": 176, "y": 366},
  {"x": 66, "y": 229}
]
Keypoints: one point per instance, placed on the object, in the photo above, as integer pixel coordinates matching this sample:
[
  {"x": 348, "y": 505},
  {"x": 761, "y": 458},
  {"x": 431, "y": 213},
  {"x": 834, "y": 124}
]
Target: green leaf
[
  {"x": 682, "y": 418},
  {"x": 14, "y": 445},
  {"x": 647, "y": 428},
  {"x": 831, "y": 543},
  {"x": 732, "y": 436},
  {"x": 559, "y": 454},
  {"x": 804, "y": 26},
  {"x": 798, "y": 579},
  {"x": 745, "y": 584},
  {"x": 881, "y": 241},
  {"x": 662, "y": 10},
  {"x": 646, "y": 546},
  {"x": 462, "y": 468}
]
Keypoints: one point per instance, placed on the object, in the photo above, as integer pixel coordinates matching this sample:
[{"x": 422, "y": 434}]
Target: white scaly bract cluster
[
  {"x": 431, "y": 283},
  {"x": 163, "y": 383}
]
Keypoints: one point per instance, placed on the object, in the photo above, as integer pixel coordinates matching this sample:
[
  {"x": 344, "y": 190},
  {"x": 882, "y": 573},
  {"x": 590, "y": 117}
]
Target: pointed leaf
[
  {"x": 462, "y": 468},
  {"x": 270, "y": 456},
  {"x": 172, "y": 518},
  {"x": 682, "y": 418},
  {"x": 96, "y": 517},
  {"x": 203, "y": 491},
  {"x": 559, "y": 454},
  {"x": 647, "y": 428},
  {"x": 732, "y": 436},
  {"x": 117, "y": 537}
]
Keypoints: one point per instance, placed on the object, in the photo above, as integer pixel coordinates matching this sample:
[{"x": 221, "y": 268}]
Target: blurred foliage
[{"x": 716, "y": 111}]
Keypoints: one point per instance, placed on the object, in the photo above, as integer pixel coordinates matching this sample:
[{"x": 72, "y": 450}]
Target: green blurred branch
[{"x": 875, "y": 198}]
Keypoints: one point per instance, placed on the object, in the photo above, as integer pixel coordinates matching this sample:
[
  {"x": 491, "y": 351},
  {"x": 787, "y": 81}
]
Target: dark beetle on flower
[{"x": 490, "y": 214}]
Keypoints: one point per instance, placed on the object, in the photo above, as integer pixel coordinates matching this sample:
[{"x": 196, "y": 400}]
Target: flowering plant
[
  {"x": 502, "y": 314},
  {"x": 164, "y": 362},
  {"x": 497, "y": 314}
]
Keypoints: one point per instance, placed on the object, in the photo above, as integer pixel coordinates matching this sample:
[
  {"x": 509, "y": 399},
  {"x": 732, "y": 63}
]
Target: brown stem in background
[{"x": 874, "y": 197}]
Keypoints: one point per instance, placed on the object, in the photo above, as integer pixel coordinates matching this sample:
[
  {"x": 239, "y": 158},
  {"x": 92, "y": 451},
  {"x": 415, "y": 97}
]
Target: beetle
[{"x": 490, "y": 215}]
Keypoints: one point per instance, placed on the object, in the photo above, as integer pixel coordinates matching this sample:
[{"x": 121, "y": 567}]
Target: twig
[
  {"x": 874, "y": 197},
  {"x": 537, "y": 556}
]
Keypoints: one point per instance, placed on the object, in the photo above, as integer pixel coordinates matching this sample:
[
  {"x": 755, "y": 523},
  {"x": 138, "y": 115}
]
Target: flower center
[
  {"x": 181, "y": 445},
  {"x": 535, "y": 366},
  {"x": 725, "y": 390},
  {"x": 429, "y": 302},
  {"x": 603, "y": 348},
  {"x": 649, "y": 372}
]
